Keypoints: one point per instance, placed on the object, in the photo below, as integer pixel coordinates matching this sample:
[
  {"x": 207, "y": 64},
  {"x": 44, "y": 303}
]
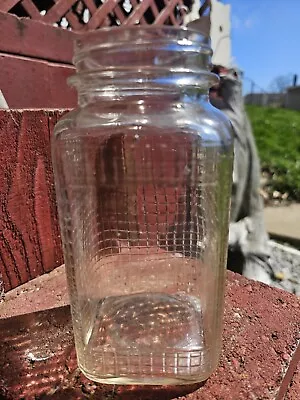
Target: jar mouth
[
  {"x": 141, "y": 54},
  {"x": 136, "y": 35}
]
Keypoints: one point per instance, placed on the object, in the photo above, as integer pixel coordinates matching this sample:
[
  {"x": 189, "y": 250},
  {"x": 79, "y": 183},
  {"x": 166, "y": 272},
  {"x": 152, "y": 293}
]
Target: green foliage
[{"x": 277, "y": 134}]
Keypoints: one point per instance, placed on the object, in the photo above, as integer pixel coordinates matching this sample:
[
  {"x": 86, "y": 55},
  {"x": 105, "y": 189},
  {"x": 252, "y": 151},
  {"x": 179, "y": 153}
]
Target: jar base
[
  {"x": 146, "y": 339},
  {"x": 147, "y": 380},
  {"x": 184, "y": 368}
]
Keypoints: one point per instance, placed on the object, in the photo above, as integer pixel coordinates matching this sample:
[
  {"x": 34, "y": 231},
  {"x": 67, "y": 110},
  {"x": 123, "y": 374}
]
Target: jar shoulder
[{"x": 199, "y": 118}]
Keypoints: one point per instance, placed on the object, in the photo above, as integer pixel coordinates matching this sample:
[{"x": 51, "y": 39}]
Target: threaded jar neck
[{"x": 134, "y": 59}]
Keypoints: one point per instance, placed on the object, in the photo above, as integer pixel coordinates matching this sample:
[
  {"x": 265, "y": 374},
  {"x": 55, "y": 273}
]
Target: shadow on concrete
[
  {"x": 34, "y": 349},
  {"x": 38, "y": 361},
  {"x": 153, "y": 392},
  {"x": 124, "y": 393}
]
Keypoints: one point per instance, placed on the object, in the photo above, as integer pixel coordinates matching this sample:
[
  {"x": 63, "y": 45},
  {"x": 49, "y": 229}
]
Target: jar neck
[
  {"x": 146, "y": 61},
  {"x": 148, "y": 98}
]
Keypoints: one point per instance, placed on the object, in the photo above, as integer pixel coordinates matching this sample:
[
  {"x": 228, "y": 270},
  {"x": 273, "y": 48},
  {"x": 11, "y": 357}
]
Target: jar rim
[
  {"x": 109, "y": 37},
  {"x": 134, "y": 57}
]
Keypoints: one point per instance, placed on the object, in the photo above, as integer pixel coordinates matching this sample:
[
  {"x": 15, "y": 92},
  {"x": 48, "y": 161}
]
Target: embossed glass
[{"x": 143, "y": 180}]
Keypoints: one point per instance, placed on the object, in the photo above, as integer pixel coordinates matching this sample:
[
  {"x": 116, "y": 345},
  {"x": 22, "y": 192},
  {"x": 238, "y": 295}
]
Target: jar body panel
[{"x": 144, "y": 216}]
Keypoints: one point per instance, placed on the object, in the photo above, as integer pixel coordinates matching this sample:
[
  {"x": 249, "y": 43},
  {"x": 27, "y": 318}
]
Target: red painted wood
[
  {"x": 22, "y": 36},
  {"x": 120, "y": 14},
  {"x": 167, "y": 12},
  {"x": 99, "y": 16},
  {"x": 28, "y": 83},
  {"x": 138, "y": 13},
  {"x": 29, "y": 232},
  {"x": 31, "y": 9},
  {"x": 135, "y": 4},
  {"x": 7, "y": 4},
  {"x": 90, "y": 5},
  {"x": 73, "y": 21},
  {"x": 60, "y": 8}
]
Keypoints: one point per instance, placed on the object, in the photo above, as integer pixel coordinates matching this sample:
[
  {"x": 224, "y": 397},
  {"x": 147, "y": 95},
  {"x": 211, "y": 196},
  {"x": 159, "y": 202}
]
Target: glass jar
[{"x": 143, "y": 173}]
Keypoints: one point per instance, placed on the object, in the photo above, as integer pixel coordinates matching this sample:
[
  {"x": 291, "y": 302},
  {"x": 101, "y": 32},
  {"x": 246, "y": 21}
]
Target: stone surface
[
  {"x": 261, "y": 334},
  {"x": 42, "y": 293}
]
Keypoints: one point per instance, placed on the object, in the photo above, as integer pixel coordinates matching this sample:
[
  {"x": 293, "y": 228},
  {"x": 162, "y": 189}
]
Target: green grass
[{"x": 277, "y": 134}]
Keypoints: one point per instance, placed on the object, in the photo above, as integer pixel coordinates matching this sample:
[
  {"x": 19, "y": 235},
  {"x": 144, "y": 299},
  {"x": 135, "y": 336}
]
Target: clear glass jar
[{"x": 143, "y": 179}]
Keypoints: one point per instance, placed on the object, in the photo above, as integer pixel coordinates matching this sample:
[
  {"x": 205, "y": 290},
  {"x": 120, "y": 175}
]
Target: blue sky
[{"x": 266, "y": 38}]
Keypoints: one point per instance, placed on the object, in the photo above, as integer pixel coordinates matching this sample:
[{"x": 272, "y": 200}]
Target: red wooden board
[
  {"x": 30, "y": 83},
  {"x": 29, "y": 232},
  {"x": 22, "y": 36}
]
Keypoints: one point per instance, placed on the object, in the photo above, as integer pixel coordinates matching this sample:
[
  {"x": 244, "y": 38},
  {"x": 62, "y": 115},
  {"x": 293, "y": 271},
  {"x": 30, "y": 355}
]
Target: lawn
[{"x": 277, "y": 134}]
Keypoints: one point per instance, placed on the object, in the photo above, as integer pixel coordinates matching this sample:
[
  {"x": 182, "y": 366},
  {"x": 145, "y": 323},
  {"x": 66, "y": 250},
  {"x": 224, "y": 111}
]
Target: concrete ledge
[
  {"x": 42, "y": 293},
  {"x": 283, "y": 222},
  {"x": 259, "y": 358}
]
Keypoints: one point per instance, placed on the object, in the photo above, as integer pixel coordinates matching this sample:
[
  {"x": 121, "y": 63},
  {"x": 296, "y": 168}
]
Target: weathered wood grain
[
  {"x": 23, "y": 36},
  {"x": 29, "y": 232}
]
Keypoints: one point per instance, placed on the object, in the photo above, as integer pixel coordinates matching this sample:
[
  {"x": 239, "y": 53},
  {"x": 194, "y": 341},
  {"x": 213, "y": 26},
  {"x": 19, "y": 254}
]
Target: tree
[{"x": 281, "y": 83}]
